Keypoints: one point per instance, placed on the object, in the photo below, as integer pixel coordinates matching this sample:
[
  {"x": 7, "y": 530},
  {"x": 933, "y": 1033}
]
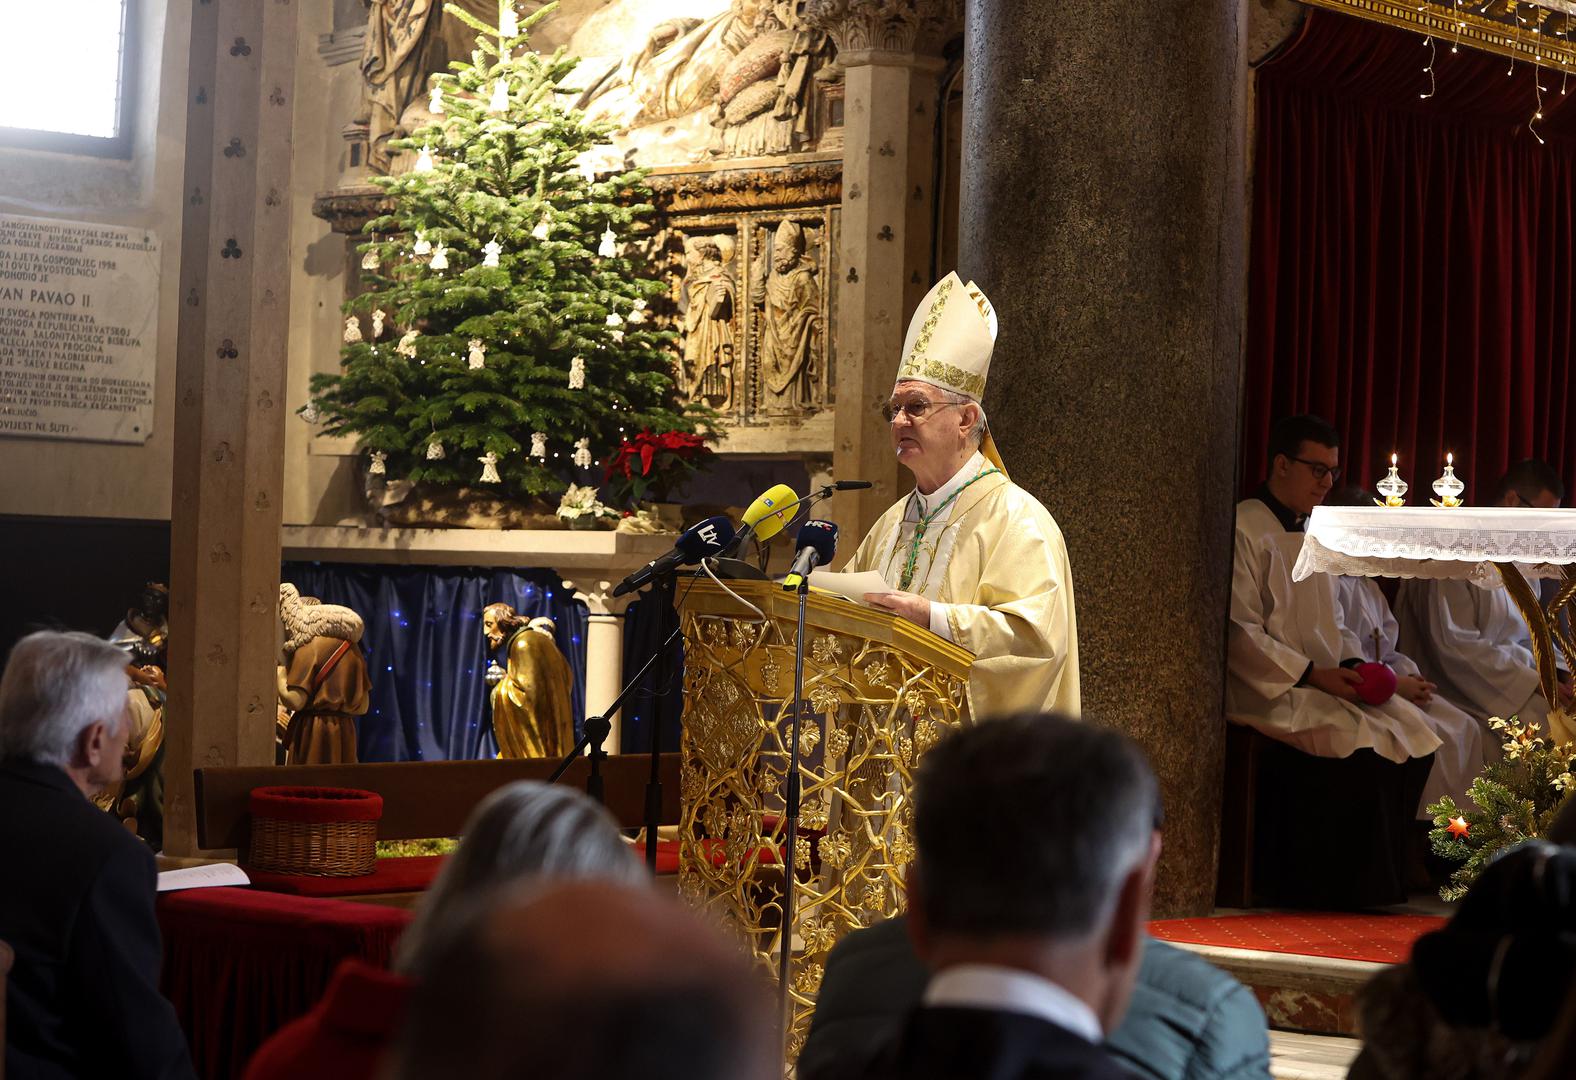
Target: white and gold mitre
[{"x": 950, "y": 338}]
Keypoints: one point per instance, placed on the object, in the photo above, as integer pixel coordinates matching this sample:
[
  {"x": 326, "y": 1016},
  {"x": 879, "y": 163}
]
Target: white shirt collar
[
  {"x": 985, "y": 986},
  {"x": 971, "y": 467}
]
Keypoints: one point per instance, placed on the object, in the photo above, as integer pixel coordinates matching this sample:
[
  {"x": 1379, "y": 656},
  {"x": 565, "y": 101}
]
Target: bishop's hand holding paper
[{"x": 969, "y": 554}]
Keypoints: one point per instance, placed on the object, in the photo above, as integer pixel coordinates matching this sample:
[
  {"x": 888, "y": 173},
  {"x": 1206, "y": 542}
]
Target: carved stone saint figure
[
  {"x": 708, "y": 321},
  {"x": 764, "y": 91},
  {"x": 786, "y": 289},
  {"x": 407, "y": 41},
  {"x": 532, "y": 715}
]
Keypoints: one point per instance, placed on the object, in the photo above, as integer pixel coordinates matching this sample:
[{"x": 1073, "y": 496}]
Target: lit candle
[
  {"x": 1448, "y": 487},
  {"x": 1392, "y": 487}
]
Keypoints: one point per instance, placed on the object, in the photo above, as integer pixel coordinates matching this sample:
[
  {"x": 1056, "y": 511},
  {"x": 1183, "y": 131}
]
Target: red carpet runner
[{"x": 1382, "y": 939}]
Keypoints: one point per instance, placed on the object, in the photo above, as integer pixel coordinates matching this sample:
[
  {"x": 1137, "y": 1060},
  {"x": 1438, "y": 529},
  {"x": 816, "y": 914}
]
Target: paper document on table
[
  {"x": 853, "y": 586},
  {"x": 202, "y": 877}
]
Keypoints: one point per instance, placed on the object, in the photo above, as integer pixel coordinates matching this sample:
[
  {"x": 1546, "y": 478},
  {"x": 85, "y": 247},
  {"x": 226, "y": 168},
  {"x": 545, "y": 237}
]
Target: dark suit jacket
[
  {"x": 982, "y": 1044},
  {"x": 1187, "y": 1019},
  {"x": 77, "y": 906}
]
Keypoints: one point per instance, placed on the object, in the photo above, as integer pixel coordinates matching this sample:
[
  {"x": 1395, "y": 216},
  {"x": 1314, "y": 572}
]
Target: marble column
[
  {"x": 604, "y": 654},
  {"x": 892, "y": 89},
  {"x": 1103, "y": 213},
  {"x": 230, "y": 386}
]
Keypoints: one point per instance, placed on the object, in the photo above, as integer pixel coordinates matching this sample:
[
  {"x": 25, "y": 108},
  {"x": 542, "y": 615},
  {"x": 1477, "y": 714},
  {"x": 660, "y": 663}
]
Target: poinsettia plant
[{"x": 651, "y": 467}]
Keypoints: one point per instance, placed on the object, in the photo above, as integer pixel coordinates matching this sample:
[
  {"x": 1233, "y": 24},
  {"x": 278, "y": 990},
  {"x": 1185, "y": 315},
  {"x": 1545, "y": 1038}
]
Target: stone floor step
[
  {"x": 1312, "y": 994},
  {"x": 1294, "y": 1056}
]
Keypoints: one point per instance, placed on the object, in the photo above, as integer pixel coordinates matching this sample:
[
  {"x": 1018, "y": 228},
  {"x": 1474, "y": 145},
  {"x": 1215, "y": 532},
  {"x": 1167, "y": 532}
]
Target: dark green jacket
[{"x": 1188, "y": 1020}]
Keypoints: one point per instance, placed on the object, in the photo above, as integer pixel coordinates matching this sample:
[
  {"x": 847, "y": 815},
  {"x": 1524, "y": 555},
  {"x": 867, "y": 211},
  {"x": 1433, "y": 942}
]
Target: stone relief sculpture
[
  {"x": 744, "y": 72},
  {"x": 784, "y": 285},
  {"x": 709, "y": 299},
  {"x": 408, "y": 40}
]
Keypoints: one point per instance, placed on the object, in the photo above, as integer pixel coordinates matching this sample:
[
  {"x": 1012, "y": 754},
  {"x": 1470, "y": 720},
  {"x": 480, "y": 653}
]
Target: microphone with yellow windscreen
[{"x": 766, "y": 516}]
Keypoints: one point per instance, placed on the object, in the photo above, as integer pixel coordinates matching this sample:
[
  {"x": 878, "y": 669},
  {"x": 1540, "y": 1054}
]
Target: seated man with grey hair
[
  {"x": 77, "y": 906},
  {"x": 968, "y": 554},
  {"x": 1027, "y": 898}
]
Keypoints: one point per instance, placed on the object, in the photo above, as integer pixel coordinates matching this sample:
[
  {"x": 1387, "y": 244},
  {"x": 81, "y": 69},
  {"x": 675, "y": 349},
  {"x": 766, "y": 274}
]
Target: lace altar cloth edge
[{"x": 1426, "y": 542}]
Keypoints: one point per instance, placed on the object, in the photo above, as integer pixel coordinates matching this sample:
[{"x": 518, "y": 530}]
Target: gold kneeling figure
[{"x": 531, "y": 708}]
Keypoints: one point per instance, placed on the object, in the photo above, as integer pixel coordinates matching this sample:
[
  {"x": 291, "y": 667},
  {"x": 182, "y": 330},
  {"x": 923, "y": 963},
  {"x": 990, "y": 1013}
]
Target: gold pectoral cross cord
[{"x": 907, "y": 578}]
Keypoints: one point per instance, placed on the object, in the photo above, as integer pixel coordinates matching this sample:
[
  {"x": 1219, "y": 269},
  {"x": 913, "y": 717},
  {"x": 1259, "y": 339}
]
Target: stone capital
[{"x": 866, "y": 27}]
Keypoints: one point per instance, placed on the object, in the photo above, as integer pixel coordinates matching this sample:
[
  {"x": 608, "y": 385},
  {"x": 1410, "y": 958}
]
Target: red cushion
[
  {"x": 316, "y": 805},
  {"x": 410, "y": 873}
]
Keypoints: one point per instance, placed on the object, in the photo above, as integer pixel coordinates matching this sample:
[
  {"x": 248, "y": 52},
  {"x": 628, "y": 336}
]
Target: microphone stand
[
  {"x": 791, "y": 832},
  {"x": 664, "y": 591},
  {"x": 597, "y": 729}
]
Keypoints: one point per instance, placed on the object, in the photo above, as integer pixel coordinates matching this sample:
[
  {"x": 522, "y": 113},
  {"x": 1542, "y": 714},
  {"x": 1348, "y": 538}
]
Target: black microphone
[
  {"x": 852, "y": 485},
  {"x": 695, "y": 543},
  {"x": 817, "y": 544}
]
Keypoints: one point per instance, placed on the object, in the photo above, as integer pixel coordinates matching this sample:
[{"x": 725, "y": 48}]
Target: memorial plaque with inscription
[{"x": 79, "y": 305}]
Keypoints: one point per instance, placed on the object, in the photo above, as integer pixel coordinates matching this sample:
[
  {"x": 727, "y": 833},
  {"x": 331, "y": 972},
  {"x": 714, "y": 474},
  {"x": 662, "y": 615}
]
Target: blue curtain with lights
[
  {"x": 426, "y": 654},
  {"x": 659, "y": 696}
]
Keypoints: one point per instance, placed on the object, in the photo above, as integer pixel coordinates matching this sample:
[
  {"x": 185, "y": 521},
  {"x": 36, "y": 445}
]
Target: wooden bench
[{"x": 421, "y": 800}]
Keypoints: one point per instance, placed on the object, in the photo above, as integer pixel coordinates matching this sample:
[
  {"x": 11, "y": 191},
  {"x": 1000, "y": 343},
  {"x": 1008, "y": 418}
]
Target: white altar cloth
[{"x": 1427, "y": 542}]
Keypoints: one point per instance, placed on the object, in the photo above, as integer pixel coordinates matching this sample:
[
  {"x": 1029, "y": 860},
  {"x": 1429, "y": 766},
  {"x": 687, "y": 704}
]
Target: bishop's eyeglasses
[{"x": 915, "y": 408}]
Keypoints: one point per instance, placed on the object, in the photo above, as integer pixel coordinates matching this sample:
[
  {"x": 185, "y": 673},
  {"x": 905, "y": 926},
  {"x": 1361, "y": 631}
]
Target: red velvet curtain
[{"x": 1412, "y": 259}]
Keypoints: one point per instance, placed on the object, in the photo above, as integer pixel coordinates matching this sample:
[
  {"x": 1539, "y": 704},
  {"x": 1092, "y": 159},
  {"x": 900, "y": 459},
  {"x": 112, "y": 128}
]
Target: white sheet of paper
[
  {"x": 202, "y": 877},
  {"x": 853, "y": 586}
]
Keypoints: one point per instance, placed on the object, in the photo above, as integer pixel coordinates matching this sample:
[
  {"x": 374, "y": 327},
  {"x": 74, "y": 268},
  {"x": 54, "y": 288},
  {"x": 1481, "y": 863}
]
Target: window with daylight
[{"x": 65, "y": 82}]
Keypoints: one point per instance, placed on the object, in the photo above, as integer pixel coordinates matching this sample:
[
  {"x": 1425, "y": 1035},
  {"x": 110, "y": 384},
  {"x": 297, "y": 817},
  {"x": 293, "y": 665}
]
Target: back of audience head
[
  {"x": 1037, "y": 836},
  {"x": 1529, "y": 483},
  {"x": 587, "y": 981},
  {"x": 63, "y": 703},
  {"x": 523, "y": 831}
]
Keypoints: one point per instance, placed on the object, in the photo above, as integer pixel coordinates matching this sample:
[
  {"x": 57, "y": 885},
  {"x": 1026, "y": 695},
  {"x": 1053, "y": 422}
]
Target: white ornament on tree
[
  {"x": 377, "y": 323},
  {"x": 499, "y": 102},
  {"x": 543, "y": 230},
  {"x": 609, "y": 246},
  {"x": 370, "y": 260},
  {"x": 614, "y": 319},
  {"x": 636, "y": 317},
  {"x": 577, "y": 373},
  {"x": 352, "y": 330},
  {"x": 582, "y": 458},
  {"x": 310, "y": 412},
  {"x": 435, "y": 102},
  {"x": 422, "y": 246},
  {"x": 539, "y": 445},
  {"x": 639, "y": 304},
  {"x": 435, "y": 451},
  {"x": 379, "y": 466},
  {"x": 490, "y": 252},
  {"x": 407, "y": 345},
  {"x": 508, "y": 22},
  {"x": 617, "y": 336},
  {"x": 440, "y": 258},
  {"x": 477, "y": 357},
  {"x": 489, "y": 462},
  {"x": 424, "y": 159}
]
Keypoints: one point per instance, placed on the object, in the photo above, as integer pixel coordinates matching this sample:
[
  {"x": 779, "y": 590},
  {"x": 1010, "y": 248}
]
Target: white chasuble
[
  {"x": 1278, "y": 628},
  {"x": 997, "y": 561},
  {"x": 1474, "y": 643},
  {"x": 1466, "y": 745}
]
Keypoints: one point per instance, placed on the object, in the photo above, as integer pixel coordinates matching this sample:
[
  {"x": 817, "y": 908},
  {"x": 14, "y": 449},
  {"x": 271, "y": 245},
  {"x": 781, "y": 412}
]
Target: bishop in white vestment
[{"x": 968, "y": 553}]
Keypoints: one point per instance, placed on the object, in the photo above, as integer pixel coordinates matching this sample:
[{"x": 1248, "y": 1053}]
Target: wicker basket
[{"x": 316, "y": 831}]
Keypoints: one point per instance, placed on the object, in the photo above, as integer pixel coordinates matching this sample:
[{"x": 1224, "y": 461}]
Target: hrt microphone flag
[{"x": 699, "y": 541}]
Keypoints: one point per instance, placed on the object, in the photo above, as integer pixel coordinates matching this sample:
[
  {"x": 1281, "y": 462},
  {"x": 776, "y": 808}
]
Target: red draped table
[{"x": 239, "y": 964}]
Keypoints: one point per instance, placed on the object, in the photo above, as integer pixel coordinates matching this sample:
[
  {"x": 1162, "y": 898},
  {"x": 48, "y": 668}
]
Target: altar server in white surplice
[
  {"x": 1466, "y": 745},
  {"x": 969, "y": 554},
  {"x": 1470, "y": 639},
  {"x": 1338, "y": 789},
  {"x": 1289, "y": 656}
]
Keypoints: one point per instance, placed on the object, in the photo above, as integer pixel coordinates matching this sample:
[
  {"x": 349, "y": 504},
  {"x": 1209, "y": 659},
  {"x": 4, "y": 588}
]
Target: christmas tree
[
  {"x": 504, "y": 334},
  {"x": 1516, "y": 799}
]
